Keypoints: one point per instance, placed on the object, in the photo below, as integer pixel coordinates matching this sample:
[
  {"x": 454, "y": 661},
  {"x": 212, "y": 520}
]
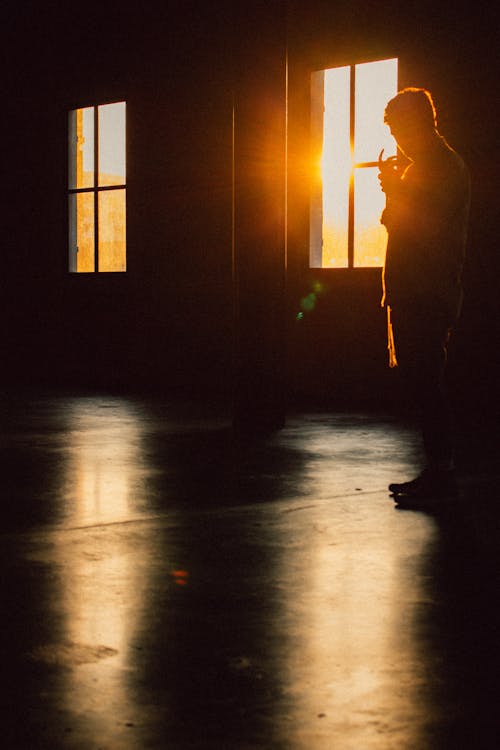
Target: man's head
[{"x": 411, "y": 117}]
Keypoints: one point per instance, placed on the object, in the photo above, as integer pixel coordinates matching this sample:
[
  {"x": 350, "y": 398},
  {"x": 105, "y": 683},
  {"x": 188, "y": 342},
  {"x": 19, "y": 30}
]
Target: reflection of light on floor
[
  {"x": 352, "y": 615},
  {"x": 100, "y": 602},
  {"x": 103, "y": 463},
  {"x": 101, "y": 582}
]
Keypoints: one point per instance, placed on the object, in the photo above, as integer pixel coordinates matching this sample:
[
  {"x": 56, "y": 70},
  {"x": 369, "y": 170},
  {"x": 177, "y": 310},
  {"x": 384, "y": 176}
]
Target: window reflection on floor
[
  {"x": 327, "y": 592},
  {"x": 101, "y": 581},
  {"x": 351, "y": 620},
  {"x": 104, "y": 461}
]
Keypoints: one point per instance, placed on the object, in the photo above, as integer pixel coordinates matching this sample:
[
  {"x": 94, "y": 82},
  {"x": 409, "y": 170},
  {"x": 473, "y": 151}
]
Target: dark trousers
[{"x": 421, "y": 334}]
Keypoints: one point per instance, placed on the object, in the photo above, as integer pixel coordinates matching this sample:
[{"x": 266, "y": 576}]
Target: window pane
[
  {"x": 112, "y": 144},
  {"x": 370, "y": 236},
  {"x": 336, "y": 167},
  {"x": 316, "y": 183},
  {"x": 81, "y": 148},
  {"x": 112, "y": 235},
  {"x": 81, "y": 232},
  {"x": 376, "y": 83}
]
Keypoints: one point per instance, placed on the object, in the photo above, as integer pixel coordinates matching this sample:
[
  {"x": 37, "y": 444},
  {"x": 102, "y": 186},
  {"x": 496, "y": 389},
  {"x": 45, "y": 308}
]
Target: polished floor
[{"x": 168, "y": 586}]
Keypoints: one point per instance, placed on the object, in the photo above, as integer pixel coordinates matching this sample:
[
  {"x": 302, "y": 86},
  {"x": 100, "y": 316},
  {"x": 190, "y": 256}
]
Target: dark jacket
[{"x": 426, "y": 219}]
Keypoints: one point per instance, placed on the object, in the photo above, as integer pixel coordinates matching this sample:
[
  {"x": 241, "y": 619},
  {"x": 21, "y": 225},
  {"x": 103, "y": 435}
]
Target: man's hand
[
  {"x": 389, "y": 180},
  {"x": 389, "y": 174}
]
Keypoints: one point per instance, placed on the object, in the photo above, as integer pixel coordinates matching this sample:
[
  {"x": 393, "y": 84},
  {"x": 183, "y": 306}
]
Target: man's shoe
[
  {"x": 431, "y": 484},
  {"x": 404, "y": 488}
]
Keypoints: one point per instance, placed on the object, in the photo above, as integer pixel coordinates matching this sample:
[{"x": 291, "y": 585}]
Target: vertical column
[{"x": 259, "y": 237}]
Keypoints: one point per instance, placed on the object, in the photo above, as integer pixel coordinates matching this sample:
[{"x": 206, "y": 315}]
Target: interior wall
[{"x": 167, "y": 323}]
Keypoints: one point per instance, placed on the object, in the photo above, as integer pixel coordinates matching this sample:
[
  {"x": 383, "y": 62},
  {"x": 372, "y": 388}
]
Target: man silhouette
[{"x": 426, "y": 219}]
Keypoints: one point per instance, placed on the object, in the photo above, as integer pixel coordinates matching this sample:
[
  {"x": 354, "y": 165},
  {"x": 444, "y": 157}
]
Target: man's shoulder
[
  {"x": 451, "y": 157},
  {"x": 447, "y": 167}
]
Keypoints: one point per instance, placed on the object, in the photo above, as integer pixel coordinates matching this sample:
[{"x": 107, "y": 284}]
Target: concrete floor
[{"x": 167, "y": 587}]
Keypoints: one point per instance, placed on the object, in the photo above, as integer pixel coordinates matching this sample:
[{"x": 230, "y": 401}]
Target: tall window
[
  {"x": 348, "y": 131},
  {"x": 97, "y": 189}
]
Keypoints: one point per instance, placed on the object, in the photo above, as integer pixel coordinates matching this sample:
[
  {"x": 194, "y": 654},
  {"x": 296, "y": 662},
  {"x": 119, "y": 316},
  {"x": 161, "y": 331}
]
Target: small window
[
  {"x": 348, "y": 134},
  {"x": 97, "y": 189}
]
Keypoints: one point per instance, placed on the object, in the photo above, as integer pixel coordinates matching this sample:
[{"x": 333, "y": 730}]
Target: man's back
[{"x": 427, "y": 223}]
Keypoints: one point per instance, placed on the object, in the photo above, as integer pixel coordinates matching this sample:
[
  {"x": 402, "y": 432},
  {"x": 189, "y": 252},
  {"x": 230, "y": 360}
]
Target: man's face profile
[
  {"x": 411, "y": 120},
  {"x": 409, "y": 136}
]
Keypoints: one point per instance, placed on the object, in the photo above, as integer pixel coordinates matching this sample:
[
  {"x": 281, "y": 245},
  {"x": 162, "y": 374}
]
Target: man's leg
[{"x": 421, "y": 346}]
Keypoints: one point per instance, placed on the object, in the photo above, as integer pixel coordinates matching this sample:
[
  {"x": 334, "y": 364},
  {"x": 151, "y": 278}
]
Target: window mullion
[
  {"x": 350, "y": 227},
  {"x": 96, "y": 192}
]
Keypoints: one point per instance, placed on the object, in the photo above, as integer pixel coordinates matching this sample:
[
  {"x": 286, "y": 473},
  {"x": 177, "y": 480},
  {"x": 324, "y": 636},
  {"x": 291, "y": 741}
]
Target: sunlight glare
[
  {"x": 376, "y": 83},
  {"x": 347, "y": 166},
  {"x": 370, "y": 236},
  {"x": 336, "y": 167}
]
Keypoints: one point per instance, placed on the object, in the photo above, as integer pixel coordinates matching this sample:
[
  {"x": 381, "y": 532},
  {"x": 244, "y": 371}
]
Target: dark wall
[
  {"x": 167, "y": 322},
  {"x": 206, "y": 202}
]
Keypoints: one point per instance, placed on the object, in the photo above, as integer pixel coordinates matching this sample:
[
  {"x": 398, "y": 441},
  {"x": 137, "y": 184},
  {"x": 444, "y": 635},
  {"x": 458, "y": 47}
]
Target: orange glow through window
[{"x": 348, "y": 120}]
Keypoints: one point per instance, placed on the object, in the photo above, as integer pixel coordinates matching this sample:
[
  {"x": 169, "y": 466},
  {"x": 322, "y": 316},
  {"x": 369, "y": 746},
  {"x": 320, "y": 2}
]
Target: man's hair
[{"x": 411, "y": 105}]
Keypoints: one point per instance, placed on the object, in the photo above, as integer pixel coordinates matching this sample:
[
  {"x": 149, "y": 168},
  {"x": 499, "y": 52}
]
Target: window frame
[
  {"x": 316, "y": 195},
  {"x": 96, "y": 190}
]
